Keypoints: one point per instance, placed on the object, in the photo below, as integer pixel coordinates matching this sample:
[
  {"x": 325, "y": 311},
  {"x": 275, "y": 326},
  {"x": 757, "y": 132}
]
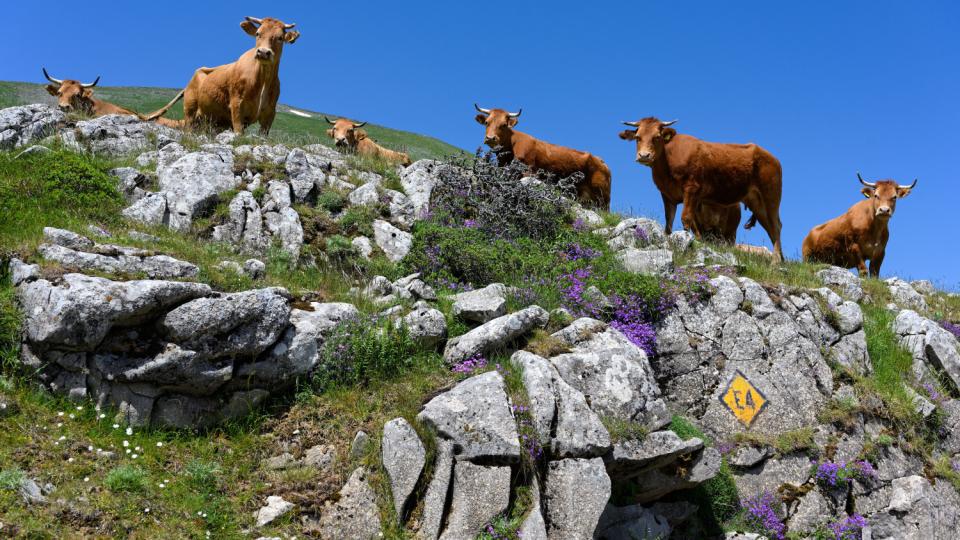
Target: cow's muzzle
[
  {"x": 264, "y": 54},
  {"x": 884, "y": 212},
  {"x": 490, "y": 141},
  {"x": 645, "y": 159},
  {"x": 340, "y": 142}
]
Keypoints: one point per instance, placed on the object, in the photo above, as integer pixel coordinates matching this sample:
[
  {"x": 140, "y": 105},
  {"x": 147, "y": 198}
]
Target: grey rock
[
  {"x": 67, "y": 239},
  {"x": 746, "y": 457},
  {"x": 656, "y": 483},
  {"x": 933, "y": 348},
  {"x": 32, "y": 150},
  {"x": 587, "y": 216},
  {"x": 21, "y": 272},
  {"x": 534, "y": 527},
  {"x": 636, "y": 233},
  {"x": 772, "y": 473},
  {"x": 320, "y": 456},
  {"x": 394, "y": 242},
  {"x": 20, "y": 126},
  {"x": 277, "y": 197},
  {"x": 495, "y": 334},
  {"x": 290, "y": 232},
  {"x": 131, "y": 183},
  {"x": 31, "y": 492},
  {"x": 680, "y": 240},
  {"x": 359, "y": 445},
  {"x": 254, "y": 268},
  {"x": 282, "y": 461},
  {"x": 479, "y": 308},
  {"x": 426, "y": 326},
  {"x": 905, "y": 296},
  {"x": 244, "y": 323},
  {"x": 631, "y": 458},
  {"x": 73, "y": 315},
  {"x": 363, "y": 246},
  {"x": 400, "y": 207},
  {"x": 710, "y": 257},
  {"x": 403, "y": 458},
  {"x": 923, "y": 286},
  {"x": 575, "y": 496},
  {"x": 275, "y": 508},
  {"x": 631, "y": 523},
  {"x": 120, "y": 260},
  {"x": 115, "y": 135},
  {"x": 418, "y": 181},
  {"x": 151, "y": 209},
  {"x": 846, "y": 282},
  {"x": 142, "y": 236},
  {"x": 646, "y": 261},
  {"x": 479, "y": 494},
  {"x": 436, "y": 497},
  {"x": 917, "y": 511},
  {"x": 476, "y": 416},
  {"x": 365, "y": 195},
  {"x": 192, "y": 185},
  {"x": 580, "y": 330},
  {"x": 306, "y": 171}
]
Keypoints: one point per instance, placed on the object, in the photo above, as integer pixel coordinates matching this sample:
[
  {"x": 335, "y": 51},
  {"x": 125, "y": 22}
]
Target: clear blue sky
[{"x": 828, "y": 87}]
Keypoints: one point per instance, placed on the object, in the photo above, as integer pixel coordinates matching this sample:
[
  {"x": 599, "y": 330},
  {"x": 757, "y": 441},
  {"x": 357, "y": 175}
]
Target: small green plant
[
  {"x": 332, "y": 201},
  {"x": 624, "y": 430},
  {"x": 126, "y": 479},
  {"x": 358, "y": 219},
  {"x": 545, "y": 345},
  {"x": 10, "y": 321},
  {"x": 11, "y": 479},
  {"x": 203, "y": 475}
]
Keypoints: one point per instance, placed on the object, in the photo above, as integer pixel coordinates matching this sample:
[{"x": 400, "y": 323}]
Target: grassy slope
[{"x": 287, "y": 127}]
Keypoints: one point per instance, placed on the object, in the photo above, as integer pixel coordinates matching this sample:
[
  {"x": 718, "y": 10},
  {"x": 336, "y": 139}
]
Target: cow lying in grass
[
  {"x": 73, "y": 95},
  {"x": 347, "y": 135}
]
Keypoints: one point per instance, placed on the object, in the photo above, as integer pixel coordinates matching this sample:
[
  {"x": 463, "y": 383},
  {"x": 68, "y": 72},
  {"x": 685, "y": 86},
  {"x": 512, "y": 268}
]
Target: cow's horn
[
  {"x": 91, "y": 85},
  {"x": 911, "y": 186},
  {"x": 514, "y": 114},
  {"x": 329, "y": 121},
  {"x": 864, "y": 182},
  {"x": 670, "y": 123},
  {"x": 481, "y": 109},
  {"x": 360, "y": 125},
  {"x": 254, "y": 20},
  {"x": 632, "y": 124},
  {"x": 289, "y": 26},
  {"x": 57, "y": 82}
]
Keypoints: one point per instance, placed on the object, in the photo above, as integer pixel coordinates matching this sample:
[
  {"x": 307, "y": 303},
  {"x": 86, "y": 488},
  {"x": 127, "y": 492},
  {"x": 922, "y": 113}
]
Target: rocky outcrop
[
  {"x": 116, "y": 135},
  {"x": 935, "y": 351},
  {"x": 20, "y": 126},
  {"x": 78, "y": 253},
  {"x": 495, "y": 334}
]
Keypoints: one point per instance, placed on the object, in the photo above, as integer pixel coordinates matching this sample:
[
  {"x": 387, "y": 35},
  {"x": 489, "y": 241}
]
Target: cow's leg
[
  {"x": 875, "y": 263},
  {"x": 266, "y": 120},
  {"x": 669, "y": 213},
  {"x": 691, "y": 200},
  {"x": 770, "y": 221},
  {"x": 235, "y": 116}
]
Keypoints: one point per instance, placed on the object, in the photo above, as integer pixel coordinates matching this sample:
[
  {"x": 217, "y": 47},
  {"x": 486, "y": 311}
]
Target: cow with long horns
[
  {"x": 593, "y": 190},
  {"x": 861, "y": 233},
  {"x": 73, "y": 95},
  {"x": 347, "y": 135},
  {"x": 694, "y": 172},
  {"x": 239, "y": 94}
]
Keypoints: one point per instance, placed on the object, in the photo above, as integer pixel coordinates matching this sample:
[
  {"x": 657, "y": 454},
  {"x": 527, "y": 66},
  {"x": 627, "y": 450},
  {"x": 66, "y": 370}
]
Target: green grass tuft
[{"x": 126, "y": 479}]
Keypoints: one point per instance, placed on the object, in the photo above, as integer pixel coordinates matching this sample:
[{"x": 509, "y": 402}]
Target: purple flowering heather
[
  {"x": 470, "y": 224},
  {"x": 641, "y": 234},
  {"x": 830, "y": 475},
  {"x": 849, "y": 528},
  {"x": 951, "y": 327},
  {"x": 762, "y": 516},
  {"x": 470, "y": 365},
  {"x": 932, "y": 392},
  {"x": 576, "y": 252}
]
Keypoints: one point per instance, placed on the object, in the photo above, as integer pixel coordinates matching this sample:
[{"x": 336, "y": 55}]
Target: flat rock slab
[
  {"x": 128, "y": 261},
  {"x": 479, "y": 494},
  {"x": 577, "y": 490},
  {"x": 476, "y": 416},
  {"x": 495, "y": 334},
  {"x": 403, "y": 457},
  {"x": 633, "y": 457},
  {"x": 355, "y": 514},
  {"x": 436, "y": 497}
]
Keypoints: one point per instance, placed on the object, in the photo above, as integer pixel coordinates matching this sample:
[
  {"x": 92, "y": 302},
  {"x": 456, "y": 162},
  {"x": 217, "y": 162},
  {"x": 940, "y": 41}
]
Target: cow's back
[{"x": 725, "y": 172}]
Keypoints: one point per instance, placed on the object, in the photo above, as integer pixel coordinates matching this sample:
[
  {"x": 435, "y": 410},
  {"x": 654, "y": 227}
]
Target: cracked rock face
[
  {"x": 20, "y": 126},
  {"x": 403, "y": 458}
]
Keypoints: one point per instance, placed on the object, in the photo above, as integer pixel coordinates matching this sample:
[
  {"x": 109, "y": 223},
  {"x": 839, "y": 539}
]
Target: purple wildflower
[
  {"x": 932, "y": 392},
  {"x": 762, "y": 515},
  {"x": 579, "y": 225},
  {"x": 848, "y": 528},
  {"x": 576, "y": 252},
  {"x": 470, "y": 365},
  {"x": 641, "y": 234},
  {"x": 831, "y": 475},
  {"x": 951, "y": 327},
  {"x": 470, "y": 224}
]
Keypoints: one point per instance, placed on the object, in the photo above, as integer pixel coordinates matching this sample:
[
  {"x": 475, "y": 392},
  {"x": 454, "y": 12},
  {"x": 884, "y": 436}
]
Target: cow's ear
[
  {"x": 668, "y": 133},
  {"x": 360, "y": 134},
  {"x": 867, "y": 192},
  {"x": 249, "y": 28},
  {"x": 291, "y": 36},
  {"x": 87, "y": 92},
  {"x": 330, "y": 133},
  {"x": 903, "y": 192},
  {"x": 628, "y": 134},
  {"x": 52, "y": 90},
  {"x": 512, "y": 122},
  {"x": 481, "y": 119}
]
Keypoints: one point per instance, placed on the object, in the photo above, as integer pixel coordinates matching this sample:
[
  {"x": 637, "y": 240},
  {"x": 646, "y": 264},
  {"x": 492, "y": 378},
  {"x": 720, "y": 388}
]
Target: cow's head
[
  {"x": 271, "y": 34},
  {"x": 71, "y": 95},
  {"x": 499, "y": 124},
  {"x": 345, "y": 133},
  {"x": 651, "y": 134},
  {"x": 884, "y": 194}
]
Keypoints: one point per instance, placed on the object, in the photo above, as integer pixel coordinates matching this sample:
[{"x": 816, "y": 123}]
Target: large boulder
[
  {"x": 354, "y": 514},
  {"x": 476, "y": 416},
  {"x": 192, "y": 185},
  {"x": 403, "y": 458},
  {"x": 480, "y": 493},
  {"x": 905, "y": 296},
  {"x": 577, "y": 491},
  {"x": 244, "y": 225},
  {"x": 120, "y": 260},
  {"x": 394, "y": 242},
  {"x": 934, "y": 349},
  {"x": 843, "y": 280},
  {"x": 20, "y": 126},
  {"x": 418, "y": 181},
  {"x": 115, "y": 135},
  {"x": 495, "y": 334}
]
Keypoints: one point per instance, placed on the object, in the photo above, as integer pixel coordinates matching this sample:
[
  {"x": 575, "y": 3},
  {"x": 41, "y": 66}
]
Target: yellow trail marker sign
[{"x": 743, "y": 399}]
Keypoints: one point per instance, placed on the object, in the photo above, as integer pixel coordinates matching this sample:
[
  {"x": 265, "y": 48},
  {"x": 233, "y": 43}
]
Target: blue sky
[{"x": 829, "y": 88}]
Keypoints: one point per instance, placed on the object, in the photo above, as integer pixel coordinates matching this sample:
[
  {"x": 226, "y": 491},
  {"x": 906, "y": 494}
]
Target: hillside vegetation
[
  {"x": 113, "y": 480},
  {"x": 287, "y": 127}
]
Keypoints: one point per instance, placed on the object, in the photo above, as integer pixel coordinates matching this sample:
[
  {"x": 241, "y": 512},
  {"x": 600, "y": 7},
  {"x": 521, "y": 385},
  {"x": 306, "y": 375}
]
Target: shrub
[
  {"x": 341, "y": 252},
  {"x": 358, "y": 219},
  {"x": 9, "y": 320},
  {"x": 331, "y": 201},
  {"x": 126, "y": 478},
  {"x": 362, "y": 350},
  {"x": 490, "y": 198},
  {"x": 203, "y": 475},
  {"x": 11, "y": 479}
]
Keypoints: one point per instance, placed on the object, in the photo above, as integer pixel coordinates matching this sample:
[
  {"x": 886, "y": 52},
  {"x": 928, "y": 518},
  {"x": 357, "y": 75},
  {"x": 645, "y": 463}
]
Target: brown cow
[
  {"x": 346, "y": 134},
  {"x": 718, "y": 222},
  {"x": 690, "y": 171},
  {"x": 861, "y": 233},
  {"x": 594, "y": 189},
  {"x": 77, "y": 96},
  {"x": 246, "y": 91}
]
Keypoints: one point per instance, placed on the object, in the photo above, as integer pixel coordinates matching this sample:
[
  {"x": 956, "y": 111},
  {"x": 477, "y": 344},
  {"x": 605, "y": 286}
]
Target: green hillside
[{"x": 288, "y": 127}]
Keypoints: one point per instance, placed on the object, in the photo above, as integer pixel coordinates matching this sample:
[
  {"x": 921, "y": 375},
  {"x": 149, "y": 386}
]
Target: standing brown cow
[
  {"x": 246, "y": 91},
  {"x": 690, "y": 171},
  {"x": 861, "y": 233},
  {"x": 73, "y": 95},
  {"x": 347, "y": 134},
  {"x": 593, "y": 190}
]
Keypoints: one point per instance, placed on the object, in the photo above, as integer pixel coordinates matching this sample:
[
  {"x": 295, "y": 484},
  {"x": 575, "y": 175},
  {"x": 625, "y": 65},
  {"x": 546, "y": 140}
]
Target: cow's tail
[{"x": 163, "y": 110}]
